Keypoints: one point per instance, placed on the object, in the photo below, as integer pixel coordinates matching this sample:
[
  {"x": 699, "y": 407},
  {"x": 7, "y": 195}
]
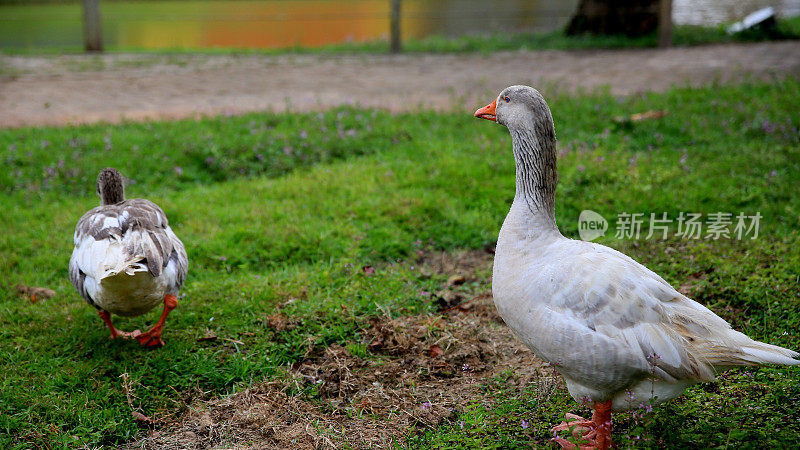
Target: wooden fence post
[
  {"x": 91, "y": 26},
  {"x": 665, "y": 23},
  {"x": 394, "y": 26}
]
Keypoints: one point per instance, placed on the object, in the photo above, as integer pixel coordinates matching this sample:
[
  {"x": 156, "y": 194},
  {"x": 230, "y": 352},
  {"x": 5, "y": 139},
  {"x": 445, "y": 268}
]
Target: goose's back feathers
[
  {"x": 607, "y": 322},
  {"x": 114, "y": 243}
]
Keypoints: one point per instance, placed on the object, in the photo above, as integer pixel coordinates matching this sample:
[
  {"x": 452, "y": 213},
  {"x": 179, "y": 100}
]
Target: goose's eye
[{"x": 506, "y": 99}]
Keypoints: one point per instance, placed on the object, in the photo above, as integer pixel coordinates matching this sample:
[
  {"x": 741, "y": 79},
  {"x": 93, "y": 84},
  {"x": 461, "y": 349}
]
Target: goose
[
  {"x": 619, "y": 335},
  {"x": 127, "y": 259}
]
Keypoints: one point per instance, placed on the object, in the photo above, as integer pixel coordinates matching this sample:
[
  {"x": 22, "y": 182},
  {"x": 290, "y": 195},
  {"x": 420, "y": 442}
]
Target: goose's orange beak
[{"x": 487, "y": 112}]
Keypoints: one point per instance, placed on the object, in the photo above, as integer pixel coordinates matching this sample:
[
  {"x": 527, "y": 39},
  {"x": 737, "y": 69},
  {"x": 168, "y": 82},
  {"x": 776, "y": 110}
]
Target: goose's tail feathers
[{"x": 762, "y": 353}]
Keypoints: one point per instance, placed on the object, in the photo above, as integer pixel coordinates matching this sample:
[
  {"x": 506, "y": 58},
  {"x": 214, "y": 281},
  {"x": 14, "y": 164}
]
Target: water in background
[{"x": 282, "y": 23}]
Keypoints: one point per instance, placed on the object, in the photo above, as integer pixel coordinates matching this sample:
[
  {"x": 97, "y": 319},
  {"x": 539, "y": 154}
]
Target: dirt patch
[
  {"x": 694, "y": 283},
  {"x": 416, "y": 372},
  {"x": 47, "y": 90}
]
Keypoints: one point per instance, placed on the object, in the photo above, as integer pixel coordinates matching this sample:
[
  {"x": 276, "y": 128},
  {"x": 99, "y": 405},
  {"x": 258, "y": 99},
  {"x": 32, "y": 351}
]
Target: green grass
[
  {"x": 335, "y": 191},
  {"x": 683, "y": 35}
]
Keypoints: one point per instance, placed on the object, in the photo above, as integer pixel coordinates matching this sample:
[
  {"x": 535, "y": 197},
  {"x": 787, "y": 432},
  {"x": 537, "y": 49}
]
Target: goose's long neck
[
  {"x": 110, "y": 187},
  {"x": 537, "y": 176}
]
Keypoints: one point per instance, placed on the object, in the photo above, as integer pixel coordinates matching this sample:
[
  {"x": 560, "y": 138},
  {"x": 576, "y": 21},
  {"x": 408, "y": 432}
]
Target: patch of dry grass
[{"x": 414, "y": 372}]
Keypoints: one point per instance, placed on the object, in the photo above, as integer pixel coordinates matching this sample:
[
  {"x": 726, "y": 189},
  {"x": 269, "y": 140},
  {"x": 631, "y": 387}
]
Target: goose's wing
[
  {"x": 78, "y": 278},
  {"x": 161, "y": 247},
  {"x": 641, "y": 325},
  {"x": 130, "y": 236},
  {"x": 145, "y": 232}
]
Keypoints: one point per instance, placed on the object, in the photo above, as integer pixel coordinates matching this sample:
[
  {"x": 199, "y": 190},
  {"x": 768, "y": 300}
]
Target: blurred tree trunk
[
  {"x": 394, "y": 26},
  {"x": 665, "y": 23},
  {"x": 628, "y": 17},
  {"x": 91, "y": 26}
]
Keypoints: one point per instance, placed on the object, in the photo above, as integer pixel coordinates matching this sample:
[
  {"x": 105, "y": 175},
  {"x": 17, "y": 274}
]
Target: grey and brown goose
[
  {"x": 127, "y": 259},
  {"x": 619, "y": 334}
]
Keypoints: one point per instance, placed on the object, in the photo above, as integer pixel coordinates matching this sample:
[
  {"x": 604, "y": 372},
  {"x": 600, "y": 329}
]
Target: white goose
[
  {"x": 618, "y": 333},
  {"x": 126, "y": 259}
]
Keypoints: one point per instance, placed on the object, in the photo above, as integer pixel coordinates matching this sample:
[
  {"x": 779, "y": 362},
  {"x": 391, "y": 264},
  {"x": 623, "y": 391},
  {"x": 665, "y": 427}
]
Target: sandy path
[{"x": 79, "y": 89}]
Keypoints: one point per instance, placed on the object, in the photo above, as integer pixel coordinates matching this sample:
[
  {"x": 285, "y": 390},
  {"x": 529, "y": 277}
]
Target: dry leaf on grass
[
  {"x": 638, "y": 117},
  {"x": 280, "y": 322},
  {"x": 210, "y": 336},
  {"x": 35, "y": 293},
  {"x": 456, "y": 280},
  {"x": 141, "y": 418}
]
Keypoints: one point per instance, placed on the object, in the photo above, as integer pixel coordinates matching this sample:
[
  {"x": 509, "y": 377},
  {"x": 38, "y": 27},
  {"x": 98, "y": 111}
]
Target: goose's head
[
  {"x": 525, "y": 113},
  {"x": 109, "y": 186},
  {"x": 516, "y": 107}
]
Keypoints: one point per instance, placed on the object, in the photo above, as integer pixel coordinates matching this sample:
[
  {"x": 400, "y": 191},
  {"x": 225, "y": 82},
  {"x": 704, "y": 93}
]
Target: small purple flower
[
  {"x": 461, "y": 424},
  {"x": 524, "y": 424},
  {"x": 426, "y": 405},
  {"x": 581, "y": 168},
  {"x": 303, "y": 134}
]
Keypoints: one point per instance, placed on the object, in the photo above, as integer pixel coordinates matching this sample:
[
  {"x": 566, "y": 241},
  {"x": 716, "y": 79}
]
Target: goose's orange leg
[
  {"x": 115, "y": 333},
  {"x": 152, "y": 338},
  {"x": 596, "y": 431}
]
